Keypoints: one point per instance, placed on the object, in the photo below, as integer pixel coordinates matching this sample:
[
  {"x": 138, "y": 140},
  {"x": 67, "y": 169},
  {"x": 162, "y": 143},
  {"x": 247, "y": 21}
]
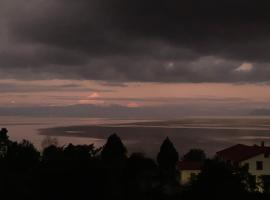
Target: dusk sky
[{"x": 203, "y": 55}]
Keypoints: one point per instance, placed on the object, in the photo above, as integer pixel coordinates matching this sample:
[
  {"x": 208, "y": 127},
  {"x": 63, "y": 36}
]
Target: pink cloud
[
  {"x": 245, "y": 67},
  {"x": 133, "y": 105},
  {"x": 94, "y": 95}
]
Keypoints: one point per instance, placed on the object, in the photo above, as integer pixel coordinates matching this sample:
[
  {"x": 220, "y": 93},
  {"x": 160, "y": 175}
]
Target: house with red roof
[
  {"x": 255, "y": 158},
  {"x": 189, "y": 170}
]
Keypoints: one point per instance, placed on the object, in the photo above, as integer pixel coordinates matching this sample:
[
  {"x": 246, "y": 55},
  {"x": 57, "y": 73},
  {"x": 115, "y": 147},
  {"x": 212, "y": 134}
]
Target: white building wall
[
  {"x": 252, "y": 165},
  {"x": 253, "y": 168},
  {"x": 186, "y": 175}
]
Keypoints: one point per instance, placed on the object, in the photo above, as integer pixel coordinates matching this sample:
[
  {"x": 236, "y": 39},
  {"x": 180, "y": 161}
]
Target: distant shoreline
[{"x": 147, "y": 136}]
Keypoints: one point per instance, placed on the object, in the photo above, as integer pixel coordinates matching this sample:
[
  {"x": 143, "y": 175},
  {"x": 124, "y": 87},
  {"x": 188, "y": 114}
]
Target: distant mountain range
[
  {"x": 117, "y": 111},
  {"x": 261, "y": 112}
]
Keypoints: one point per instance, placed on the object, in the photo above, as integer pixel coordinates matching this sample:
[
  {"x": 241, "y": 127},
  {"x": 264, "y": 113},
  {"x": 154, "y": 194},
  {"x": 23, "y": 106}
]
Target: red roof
[
  {"x": 241, "y": 152},
  {"x": 189, "y": 165}
]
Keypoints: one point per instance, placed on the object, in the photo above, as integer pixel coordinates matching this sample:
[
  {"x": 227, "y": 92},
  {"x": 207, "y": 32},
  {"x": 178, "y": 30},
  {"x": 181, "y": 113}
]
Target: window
[
  {"x": 266, "y": 155},
  {"x": 259, "y": 165}
]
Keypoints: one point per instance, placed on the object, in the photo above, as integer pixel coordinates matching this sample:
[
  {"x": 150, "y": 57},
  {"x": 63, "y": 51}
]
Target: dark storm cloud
[
  {"x": 113, "y": 84},
  {"x": 124, "y": 40},
  {"x": 7, "y": 88}
]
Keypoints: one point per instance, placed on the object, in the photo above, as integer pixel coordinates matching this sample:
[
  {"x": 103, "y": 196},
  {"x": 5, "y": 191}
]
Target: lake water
[
  {"x": 28, "y": 128},
  {"x": 210, "y": 134}
]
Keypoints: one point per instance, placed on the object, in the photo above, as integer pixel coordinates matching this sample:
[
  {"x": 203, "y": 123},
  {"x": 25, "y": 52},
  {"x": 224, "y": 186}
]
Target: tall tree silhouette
[
  {"x": 114, "y": 149},
  {"x": 4, "y": 142},
  {"x": 114, "y": 157},
  {"x": 3, "y": 134},
  {"x": 168, "y": 156},
  {"x": 167, "y": 160}
]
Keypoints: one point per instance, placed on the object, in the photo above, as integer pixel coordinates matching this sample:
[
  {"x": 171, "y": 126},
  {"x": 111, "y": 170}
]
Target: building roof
[
  {"x": 241, "y": 152},
  {"x": 190, "y": 165}
]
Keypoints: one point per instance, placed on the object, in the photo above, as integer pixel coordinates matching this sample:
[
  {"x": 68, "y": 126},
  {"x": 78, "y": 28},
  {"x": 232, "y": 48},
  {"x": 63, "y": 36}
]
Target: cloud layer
[{"x": 125, "y": 40}]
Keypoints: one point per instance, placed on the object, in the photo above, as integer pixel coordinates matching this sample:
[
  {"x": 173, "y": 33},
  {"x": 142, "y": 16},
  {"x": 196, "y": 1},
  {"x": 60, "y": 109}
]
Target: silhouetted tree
[
  {"x": 52, "y": 153},
  {"x": 218, "y": 180},
  {"x": 22, "y": 155},
  {"x": 196, "y": 155},
  {"x": 80, "y": 172},
  {"x": 48, "y": 141},
  {"x": 70, "y": 172},
  {"x": 141, "y": 177},
  {"x": 114, "y": 149},
  {"x": 18, "y": 166},
  {"x": 114, "y": 156},
  {"x": 168, "y": 156},
  {"x": 247, "y": 179},
  {"x": 80, "y": 152},
  {"x": 167, "y": 161},
  {"x": 3, "y": 134},
  {"x": 4, "y": 142}
]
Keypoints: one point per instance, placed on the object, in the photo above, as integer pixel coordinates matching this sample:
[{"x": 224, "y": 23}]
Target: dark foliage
[
  {"x": 85, "y": 172},
  {"x": 195, "y": 155},
  {"x": 4, "y": 142},
  {"x": 168, "y": 156},
  {"x": 141, "y": 177},
  {"x": 219, "y": 180},
  {"x": 114, "y": 149},
  {"x": 167, "y": 160},
  {"x": 3, "y": 134}
]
